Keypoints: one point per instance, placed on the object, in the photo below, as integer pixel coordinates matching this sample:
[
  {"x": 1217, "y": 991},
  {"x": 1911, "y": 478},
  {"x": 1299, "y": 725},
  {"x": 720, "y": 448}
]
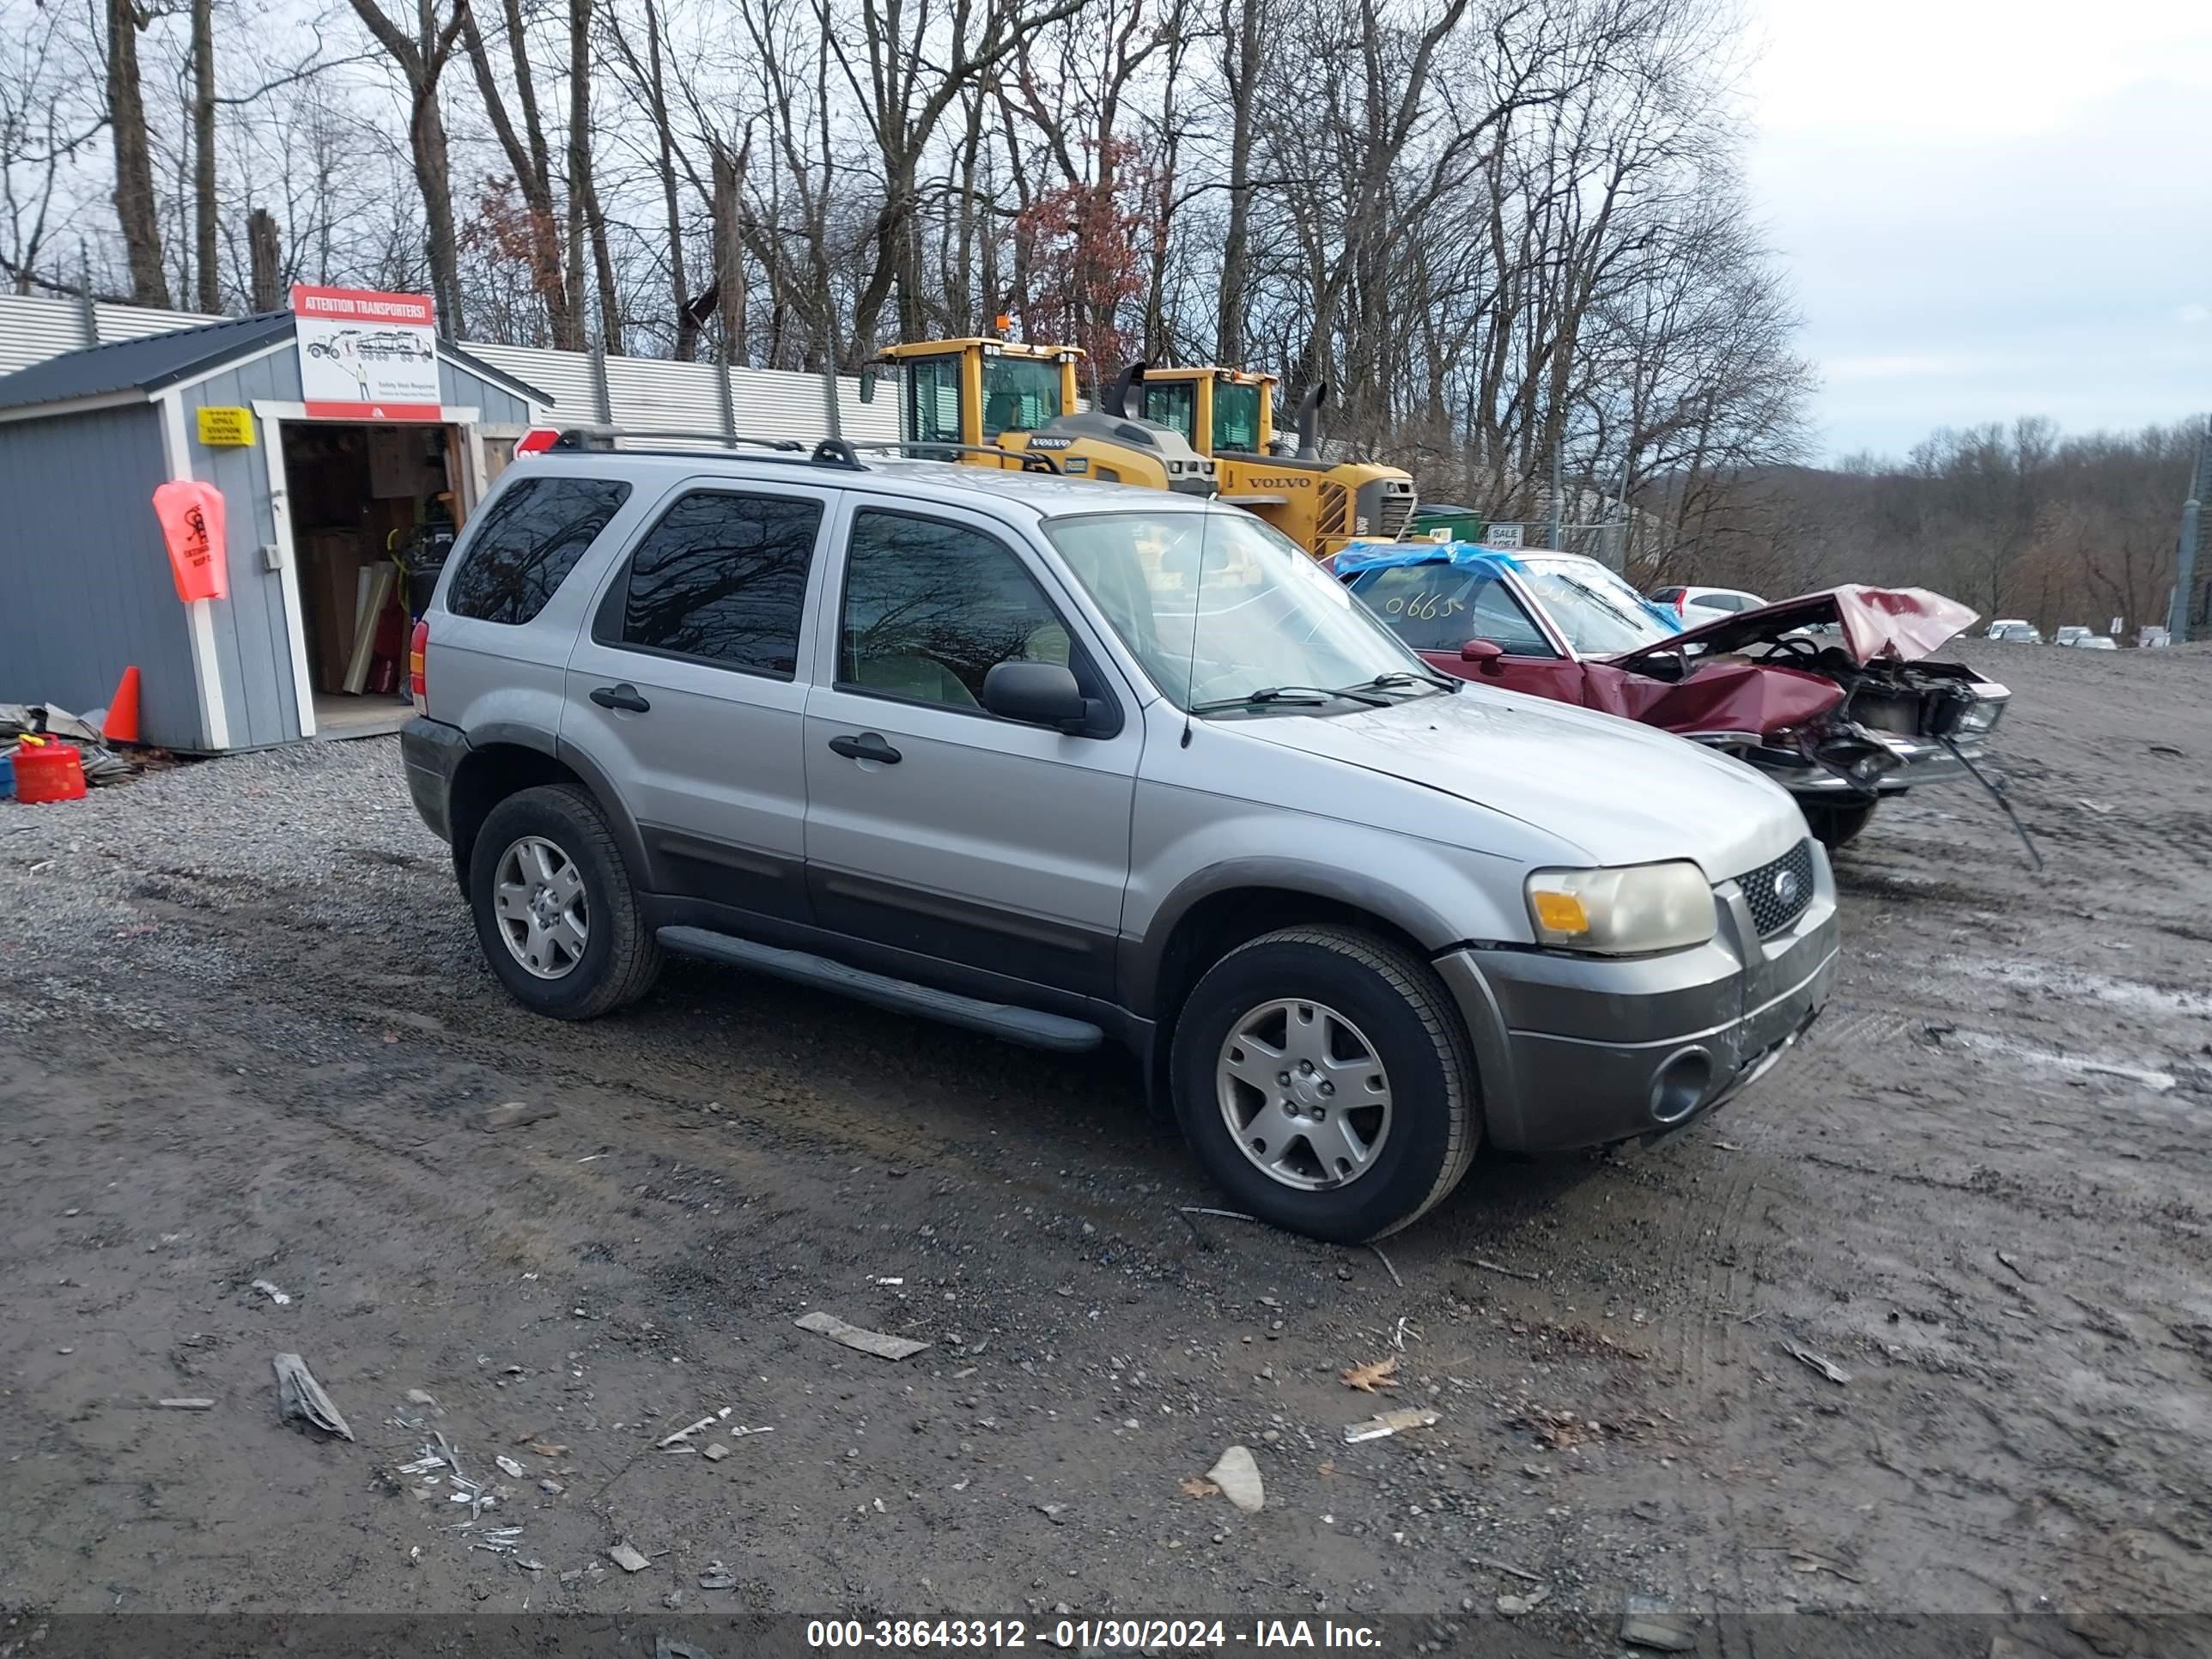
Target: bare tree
[{"x": 420, "y": 59}]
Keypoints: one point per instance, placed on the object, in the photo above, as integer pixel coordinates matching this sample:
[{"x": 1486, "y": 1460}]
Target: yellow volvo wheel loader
[
  {"x": 1228, "y": 415},
  {"x": 1003, "y": 403}
]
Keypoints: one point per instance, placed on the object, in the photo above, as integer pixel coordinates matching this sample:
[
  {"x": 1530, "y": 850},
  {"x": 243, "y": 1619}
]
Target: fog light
[{"x": 1679, "y": 1085}]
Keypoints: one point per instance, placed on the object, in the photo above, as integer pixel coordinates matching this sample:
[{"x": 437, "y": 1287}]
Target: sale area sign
[{"x": 367, "y": 357}]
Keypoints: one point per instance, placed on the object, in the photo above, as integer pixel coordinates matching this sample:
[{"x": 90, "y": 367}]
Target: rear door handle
[
  {"x": 867, "y": 746},
  {"x": 620, "y": 696}
]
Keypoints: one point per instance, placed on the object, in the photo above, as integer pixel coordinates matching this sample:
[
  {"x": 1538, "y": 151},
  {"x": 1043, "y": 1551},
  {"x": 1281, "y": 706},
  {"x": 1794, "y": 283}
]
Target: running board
[{"x": 1029, "y": 1026}]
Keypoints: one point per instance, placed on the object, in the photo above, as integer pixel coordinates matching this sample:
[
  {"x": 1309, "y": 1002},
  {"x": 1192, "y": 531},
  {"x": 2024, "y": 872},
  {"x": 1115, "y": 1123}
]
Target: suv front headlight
[{"x": 1622, "y": 912}]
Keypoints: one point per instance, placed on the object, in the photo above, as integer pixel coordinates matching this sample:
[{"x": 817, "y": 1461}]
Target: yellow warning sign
[{"x": 226, "y": 428}]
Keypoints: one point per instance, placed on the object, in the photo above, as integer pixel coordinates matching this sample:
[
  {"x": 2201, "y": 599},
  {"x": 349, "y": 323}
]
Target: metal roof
[{"x": 155, "y": 360}]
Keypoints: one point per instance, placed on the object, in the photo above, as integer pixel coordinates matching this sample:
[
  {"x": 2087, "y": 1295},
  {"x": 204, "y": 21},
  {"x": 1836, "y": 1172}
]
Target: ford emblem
[{"x": 1785, "y": 888}]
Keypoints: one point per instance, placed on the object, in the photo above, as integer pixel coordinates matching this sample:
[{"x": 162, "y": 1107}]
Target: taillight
[
  {"x": 418, "y": 659},
  {"x": 1682, "y": 604}
]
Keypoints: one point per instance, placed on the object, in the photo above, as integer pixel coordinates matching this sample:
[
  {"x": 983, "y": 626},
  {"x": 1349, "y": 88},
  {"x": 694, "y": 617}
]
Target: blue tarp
[{"x": 1359, "y": 556}]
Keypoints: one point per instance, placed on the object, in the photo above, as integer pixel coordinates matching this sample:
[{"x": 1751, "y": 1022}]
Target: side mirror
[
  {"x": 1484, "y": 653},
  {"x": 867, "y": 385},
  {"x": 1037, "y": 694}
]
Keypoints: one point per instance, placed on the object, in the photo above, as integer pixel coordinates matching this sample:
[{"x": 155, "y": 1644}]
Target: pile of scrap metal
[
  {"x": 1830, "y": 693},
  {"x": 101, "y": 764}
]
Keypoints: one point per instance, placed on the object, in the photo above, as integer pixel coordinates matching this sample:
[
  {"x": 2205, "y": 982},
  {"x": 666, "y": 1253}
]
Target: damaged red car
[{"x": 1831, "y": 693}]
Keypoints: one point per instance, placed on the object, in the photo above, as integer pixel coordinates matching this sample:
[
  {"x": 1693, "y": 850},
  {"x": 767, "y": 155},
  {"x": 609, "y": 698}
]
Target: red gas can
[{"x": 48, "y": 771}]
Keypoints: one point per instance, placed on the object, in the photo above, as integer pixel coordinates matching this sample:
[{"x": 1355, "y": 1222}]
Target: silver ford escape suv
[{"x": 1076, "y": 764}]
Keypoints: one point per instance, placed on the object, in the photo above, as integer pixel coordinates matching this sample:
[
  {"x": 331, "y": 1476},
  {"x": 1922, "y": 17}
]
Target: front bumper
[
  {"x": 1583, "y": 1051},
  {"x": 1911, "y": 762}
]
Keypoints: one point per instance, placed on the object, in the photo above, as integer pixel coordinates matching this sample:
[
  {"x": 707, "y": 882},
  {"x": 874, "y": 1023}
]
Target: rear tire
[
  {"x": 1836, "y": 824},
  {"x": 556, "y": 912},
  {"x": 1314, "y": 1146}
]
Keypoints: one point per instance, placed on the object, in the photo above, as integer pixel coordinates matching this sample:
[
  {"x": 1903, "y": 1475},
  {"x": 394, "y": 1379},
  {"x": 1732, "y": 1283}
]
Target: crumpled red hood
[{"x": 1903, "y": 624}]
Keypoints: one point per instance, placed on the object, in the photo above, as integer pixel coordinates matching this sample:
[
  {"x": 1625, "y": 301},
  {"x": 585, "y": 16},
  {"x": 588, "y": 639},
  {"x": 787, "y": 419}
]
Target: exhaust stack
[
  {"x": 1308, "y": 422},
  {"x": 1117, "y": 395}
]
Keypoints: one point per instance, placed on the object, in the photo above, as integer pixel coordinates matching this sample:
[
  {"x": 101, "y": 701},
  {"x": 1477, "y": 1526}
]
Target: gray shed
[{"x": 313, "y": 509}]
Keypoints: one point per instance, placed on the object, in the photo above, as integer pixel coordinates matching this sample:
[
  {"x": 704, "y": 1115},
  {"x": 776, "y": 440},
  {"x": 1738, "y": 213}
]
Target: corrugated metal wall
[
  {"x": 88, "y": 590},
  {"x": 644, "y": 391}
]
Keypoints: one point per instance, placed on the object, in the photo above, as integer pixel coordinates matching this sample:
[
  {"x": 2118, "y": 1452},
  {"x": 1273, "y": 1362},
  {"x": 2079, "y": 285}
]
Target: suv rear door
[
  {"x": 685, "y": 688},
  {"x": 985, "y": 844}
]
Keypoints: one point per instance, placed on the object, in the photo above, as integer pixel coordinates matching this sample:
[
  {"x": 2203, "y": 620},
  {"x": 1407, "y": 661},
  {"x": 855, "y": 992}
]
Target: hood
[
  {"x": 1623, "y": 794},
  {"x": 1902, "y": 624}
]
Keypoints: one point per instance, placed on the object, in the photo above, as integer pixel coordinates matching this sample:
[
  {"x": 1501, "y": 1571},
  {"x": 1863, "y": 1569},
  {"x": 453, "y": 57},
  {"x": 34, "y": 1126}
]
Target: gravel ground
[{"x": 249, "y": 1036}]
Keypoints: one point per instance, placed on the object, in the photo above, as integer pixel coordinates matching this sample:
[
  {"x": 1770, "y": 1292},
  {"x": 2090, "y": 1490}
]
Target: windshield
[
  {"x": 1260, "y": 615},
  {"x": 1598, "y": 612},
  {"x": 1236, "y": 416},
  {"x": 1020, "y": 394}
]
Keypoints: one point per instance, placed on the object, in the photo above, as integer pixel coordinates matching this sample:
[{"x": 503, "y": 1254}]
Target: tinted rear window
[
  {"x": 531, "y": 539},
  {"x": 722, "y": 577}
]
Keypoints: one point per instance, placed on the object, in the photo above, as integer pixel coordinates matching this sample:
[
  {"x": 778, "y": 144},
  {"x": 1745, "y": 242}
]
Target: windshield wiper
[
  {"x": 1304, "y": 695},
  {"x": 1410, "y": 677}
]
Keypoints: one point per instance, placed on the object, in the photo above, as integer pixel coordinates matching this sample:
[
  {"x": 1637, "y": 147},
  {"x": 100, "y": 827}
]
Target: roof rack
[
  {"x": 1030, "y": 463},
  {"x": 830, "y": 452}
]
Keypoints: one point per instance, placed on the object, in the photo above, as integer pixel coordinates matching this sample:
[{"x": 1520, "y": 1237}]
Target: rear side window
[
  {"x": 531, "y": 539},
  {"x": 723, "y": 577}
]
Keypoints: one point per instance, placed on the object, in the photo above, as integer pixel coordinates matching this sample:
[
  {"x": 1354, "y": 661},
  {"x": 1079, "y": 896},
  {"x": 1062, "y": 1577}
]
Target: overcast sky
[{"x": 1991, "y": 209}]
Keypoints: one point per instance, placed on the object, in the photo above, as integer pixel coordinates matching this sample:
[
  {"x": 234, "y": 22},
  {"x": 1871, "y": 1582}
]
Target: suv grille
[
  {"x": 1778, "y": 893},
  {"x": 1397, "y": 513}
]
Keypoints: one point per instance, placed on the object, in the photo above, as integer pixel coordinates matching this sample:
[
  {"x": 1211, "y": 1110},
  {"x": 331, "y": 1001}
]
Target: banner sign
[{"x": 367, "y": 357}]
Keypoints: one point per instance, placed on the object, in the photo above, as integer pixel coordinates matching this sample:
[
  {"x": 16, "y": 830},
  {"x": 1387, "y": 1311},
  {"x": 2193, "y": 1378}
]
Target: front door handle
[
  {"x": 867, "y": 746},
  {"x": 620, "y": 696}
]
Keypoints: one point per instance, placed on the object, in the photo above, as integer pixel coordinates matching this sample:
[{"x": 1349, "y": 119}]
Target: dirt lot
[{"x": 247, "y": 1036}]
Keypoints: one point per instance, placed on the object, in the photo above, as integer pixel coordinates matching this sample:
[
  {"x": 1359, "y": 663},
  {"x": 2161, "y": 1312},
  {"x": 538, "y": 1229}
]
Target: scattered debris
[
  {"x": 1559, "y": 1430},
  {"x": 1404, "y": 1329},
  {"x": 1514, "y": 1606},
  {"x": 509, "y": 1467},
  {"x": 1510, "y": 1570},
  {"x": 686, "y": 1432},
  {"x": 1496, "y": 1267},
  {"x": 421, "y": 1397},
  {"x": 1380, "y": 1374},
  {"x": 665, "y": 1647},
  {"x": 551, "y": 1488},
  {"x": 1827, "y": 1368},
  {"x": 874, "y": 1342},
  {"x": 298, "y": 1395},
  {"x": 591, "y": 1157},
  {"x": 547, "y": 1449},
  {"x": 1055, "y": 1513},
  {"x": 1386, "y": 1267},
  {"x": 1390, "y": 1423},
  {"x": 1194, "y": 1485},
  {"x": 281, "y": 1298},
  {"x": 717, "y": 1578},
  {"x": 873, "y": 1280},
  {"x": 2011, "y": 1263},
  {"x": 1238, "y": 1476},
  {"x": 192, "y": 1405},
  {"x": 628, "y": 1559},
  {"x": 423, "y": 1464},
  {"x": 716, "y": 1453},
  {"x": 1650, "y": 1621},
  {"x": 1225, "y": 1215},
  {"x": 514, "y": 1114}
]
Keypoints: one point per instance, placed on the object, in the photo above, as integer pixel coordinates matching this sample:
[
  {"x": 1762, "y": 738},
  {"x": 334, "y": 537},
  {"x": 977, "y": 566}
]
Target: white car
[
  {"x": 2096, "y": 642},
  {"x": 1695, "y": 606},
  {"x": 2070, "y": 633},
  {"x": 2019, "y": 633}
]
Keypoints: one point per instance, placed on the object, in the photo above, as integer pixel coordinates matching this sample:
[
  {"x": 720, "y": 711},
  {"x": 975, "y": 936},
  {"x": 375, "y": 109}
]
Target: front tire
[
  {"x": 1322, "y": 1077},
  {"x": 557, "y": 914},
  {"x": 1835, "y": 824}
]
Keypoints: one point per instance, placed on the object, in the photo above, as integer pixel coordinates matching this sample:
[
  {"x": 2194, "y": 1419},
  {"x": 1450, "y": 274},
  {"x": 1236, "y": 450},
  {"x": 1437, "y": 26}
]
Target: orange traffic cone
[{"x": 121, "y": 725}]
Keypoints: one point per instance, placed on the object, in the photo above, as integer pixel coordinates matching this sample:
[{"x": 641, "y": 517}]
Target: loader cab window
[
  {"x": 1235, "y": 417},
  {"x": 932, "y": 399},
  {"x": 1020, "y": 394},
  {"x": 1174, "y": 404}
]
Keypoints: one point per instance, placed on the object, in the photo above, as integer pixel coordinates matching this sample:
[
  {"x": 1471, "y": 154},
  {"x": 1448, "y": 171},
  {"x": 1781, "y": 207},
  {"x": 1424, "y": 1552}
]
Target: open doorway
[{"x": 373, "y": 511}]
